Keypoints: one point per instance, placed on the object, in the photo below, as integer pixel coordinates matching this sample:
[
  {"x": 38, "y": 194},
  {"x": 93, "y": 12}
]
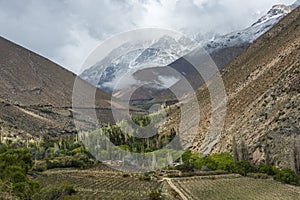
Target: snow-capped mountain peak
[
  {"x": 145, "y": 54},
  {"x": 165, "y": 50},
  {"x": 249, "y": 34},
  {"x": 276, "y": 11}
]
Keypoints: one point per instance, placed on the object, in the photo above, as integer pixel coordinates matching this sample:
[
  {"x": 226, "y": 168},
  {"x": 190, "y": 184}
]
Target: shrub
[
  {"x": 267, "y": 169},
  {"x": 40, "y": 166},
  {"x": 78, "y": 161},
  {"x": 77, "y": 150},
  {"x": 14, "y": 165},
  {"x": 25, "y": 190},
  {"x": 287, "y": 176},
  {"x": 185, "y": 167},
  {"x": 14, "y": 174},
  {"x": 55, "y": 192},
  {"x": 15, "y": 157},
  {"x": 243, "y": 167},
  {"x": 221, "y": 161},
  {"x": 126, "y": 175},
  {"x": 144, "y": 177},
  {"x": 155, "y": 195},
  {"x": 224, "y": 161},
  {"x": 186, "y": 156}
]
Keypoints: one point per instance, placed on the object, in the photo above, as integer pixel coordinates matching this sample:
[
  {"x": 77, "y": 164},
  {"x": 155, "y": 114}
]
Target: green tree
[{"x": 224, "y": 161}]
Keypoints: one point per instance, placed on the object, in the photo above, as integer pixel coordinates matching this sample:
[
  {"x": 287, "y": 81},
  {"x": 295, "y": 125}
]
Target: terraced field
[
  {"x": 223, "y": 188},
  {"x": 94, "y": 184}
]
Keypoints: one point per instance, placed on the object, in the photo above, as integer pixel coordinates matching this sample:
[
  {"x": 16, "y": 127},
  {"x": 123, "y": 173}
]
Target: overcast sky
[{"x": 66, "y": 31}]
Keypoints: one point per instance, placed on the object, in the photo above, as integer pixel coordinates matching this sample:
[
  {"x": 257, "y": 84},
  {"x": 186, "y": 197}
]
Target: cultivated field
[
  {"x": 234, "y": 187},
  {"x": 95, "y": 184}
]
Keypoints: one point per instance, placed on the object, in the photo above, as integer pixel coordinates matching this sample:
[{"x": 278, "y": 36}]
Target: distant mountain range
[
  {"x": 158, "y": 53},
  {"x": 143, "y": 63}
]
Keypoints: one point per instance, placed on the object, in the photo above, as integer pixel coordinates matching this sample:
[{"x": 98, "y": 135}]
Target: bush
[
  {"x": 155, "y": 195},
  {"x": 243, "y": 168},
  {"x": 15, "y": 157},
  {"x": 287, "y": 176},
  {"x": 267, "y": 169},
  {"x": 54, "y": 193},
  {"x": 221, "y": 161},
  {"x": 185, "y": 167},
  {"x": 210, "y": 163},
  {"x": 126, "y": 175},
  {"x": 77, "y": 150},
  {"x": 40, "y": 166},
  {"x": 14, "y": 165},
  {"x": 78, "y": 161},
  {"x": 14, "y": 174},
  {"x": 224, "y": 161},
  {"x": 25, "y": 190},
  {"x": 145, "y": 177},
  {"x": 186, "y": 156}
]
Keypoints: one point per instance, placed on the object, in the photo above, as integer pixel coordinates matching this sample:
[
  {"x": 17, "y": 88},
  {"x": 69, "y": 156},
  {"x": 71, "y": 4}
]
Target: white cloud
[
  {"x": 66, "y": 31},
  {"x": 72, "y": 53}
]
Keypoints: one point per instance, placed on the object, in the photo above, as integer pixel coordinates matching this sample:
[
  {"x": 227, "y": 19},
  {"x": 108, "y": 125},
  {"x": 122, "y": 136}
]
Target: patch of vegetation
[
  {"x": 156, "y": 195},
  {"x": 287, "y": 176},
  {"x": 135, "y": 139},
  {"x": 224, "y": 162},
  {"x": 91, "y": 184},
  {"x": 14, "y": 166},
  {"x": 62, "y": 191}
]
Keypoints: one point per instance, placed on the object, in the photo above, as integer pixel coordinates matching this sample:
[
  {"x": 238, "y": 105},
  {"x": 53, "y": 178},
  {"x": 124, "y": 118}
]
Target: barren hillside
[{"x": 36, "y": 95}]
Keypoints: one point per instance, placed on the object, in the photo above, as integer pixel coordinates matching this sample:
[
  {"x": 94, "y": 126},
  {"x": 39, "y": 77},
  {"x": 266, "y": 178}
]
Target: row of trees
[
  {"x": 230, "y": 163},
  {"x": 132, "y": 137}
]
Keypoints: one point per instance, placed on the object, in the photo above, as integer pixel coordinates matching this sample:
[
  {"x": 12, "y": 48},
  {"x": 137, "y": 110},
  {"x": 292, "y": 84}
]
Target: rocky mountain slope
[
  {"x": 36, "y": 94},
  {"x": 263, "y": 99}
]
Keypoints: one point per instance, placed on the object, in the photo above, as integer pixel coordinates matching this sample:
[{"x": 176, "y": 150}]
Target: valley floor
[{"x": 105, "y": 184}]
